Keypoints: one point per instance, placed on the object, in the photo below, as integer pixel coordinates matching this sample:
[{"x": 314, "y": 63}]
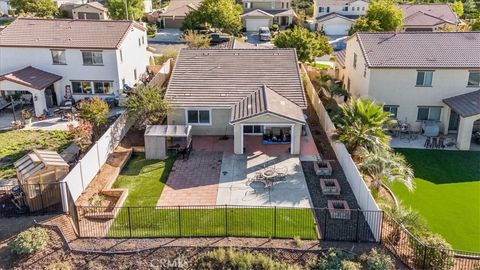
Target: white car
[{"x": 264, "y": 34}]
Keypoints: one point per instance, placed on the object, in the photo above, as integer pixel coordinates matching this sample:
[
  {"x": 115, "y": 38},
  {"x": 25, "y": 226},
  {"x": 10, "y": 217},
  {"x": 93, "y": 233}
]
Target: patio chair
[
  {"x": 434, "y": 142},
  {"x": 427, "y": 143},
  {"x": 441, "y": 142},
  {"x": 281, "y": 173}
]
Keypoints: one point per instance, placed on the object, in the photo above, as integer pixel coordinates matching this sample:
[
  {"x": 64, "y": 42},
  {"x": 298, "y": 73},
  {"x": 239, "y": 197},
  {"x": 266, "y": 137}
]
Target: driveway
[
  {"x": 166, "y": 36},
  {"x": 253, "y": 38}
]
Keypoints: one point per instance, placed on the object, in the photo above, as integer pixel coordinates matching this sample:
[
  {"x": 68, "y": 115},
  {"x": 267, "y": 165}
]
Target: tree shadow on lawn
[{"x": 443, "y": 166}]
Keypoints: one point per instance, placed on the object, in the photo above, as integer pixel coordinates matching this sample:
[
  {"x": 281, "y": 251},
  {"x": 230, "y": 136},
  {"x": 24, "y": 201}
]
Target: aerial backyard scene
[{"x": 240, "y": 134}]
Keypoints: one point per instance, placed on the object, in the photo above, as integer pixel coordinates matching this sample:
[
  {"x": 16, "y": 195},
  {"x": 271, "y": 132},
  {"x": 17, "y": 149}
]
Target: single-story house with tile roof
[
  {"x": 51, "y": 60},
  {"x": 428, "y": 17},
  {"x": 90, "y": 11},
  {"x": 239, "y": 92},
  {"x": 253, "y": 19},
  {"x": 174, "y": 14},
  {"x": 419, "y": 77}
]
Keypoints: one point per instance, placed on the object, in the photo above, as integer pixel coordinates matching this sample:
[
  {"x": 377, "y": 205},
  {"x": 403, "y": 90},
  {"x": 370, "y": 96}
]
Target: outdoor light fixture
[{"x": 35, "y": 98}]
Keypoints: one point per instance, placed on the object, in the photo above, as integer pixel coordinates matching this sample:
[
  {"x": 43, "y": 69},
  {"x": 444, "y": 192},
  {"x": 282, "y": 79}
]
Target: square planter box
[
  {"x": 330, "y": 186},
  {"x": 322, "y": 168},
  {"x": 338, "y": 209}
]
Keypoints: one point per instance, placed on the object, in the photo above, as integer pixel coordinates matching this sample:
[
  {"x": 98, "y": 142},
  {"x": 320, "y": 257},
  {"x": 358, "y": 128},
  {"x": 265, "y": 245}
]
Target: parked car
[
  {"x": 264, "y": 34},
  {"x": 217, "y": 38}
]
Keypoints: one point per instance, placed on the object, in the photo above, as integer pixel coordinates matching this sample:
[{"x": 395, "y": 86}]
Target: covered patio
[
  {"x": 32, "y": 83},
  {"x": 465, "y": 112}
]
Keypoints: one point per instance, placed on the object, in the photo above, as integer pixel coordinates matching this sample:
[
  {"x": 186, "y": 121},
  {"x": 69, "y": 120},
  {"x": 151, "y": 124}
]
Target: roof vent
[
  {"x": 206, "y": 54},
  {"x": 223, "y": 94},
  {"x": 236, "y": 53}
]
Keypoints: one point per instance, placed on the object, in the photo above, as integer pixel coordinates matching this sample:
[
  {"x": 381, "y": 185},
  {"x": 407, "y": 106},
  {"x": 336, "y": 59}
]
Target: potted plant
[
  {"x": 27, "y": 116},
  {"x": 322, "y": 167}
]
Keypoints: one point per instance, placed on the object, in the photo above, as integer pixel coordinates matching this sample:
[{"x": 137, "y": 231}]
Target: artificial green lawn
[
  {"x": 145, "y": 180},
  {"x": 447, "y": 193},
  {"x": 14, "y": 144}
]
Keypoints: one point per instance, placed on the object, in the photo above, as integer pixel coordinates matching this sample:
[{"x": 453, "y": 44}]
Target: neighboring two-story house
[
  {"x": 335, "y": 17},
  {"x": 418, "y": 76},
  {"x": 51, "y": 59},
  {"x": 428, "y": 17},
  {"x": 265, "y": 13}
]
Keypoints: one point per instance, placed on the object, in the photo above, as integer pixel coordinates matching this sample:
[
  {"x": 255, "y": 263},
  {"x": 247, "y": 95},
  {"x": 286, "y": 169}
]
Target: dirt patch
[{"x": 157, "y": 258}]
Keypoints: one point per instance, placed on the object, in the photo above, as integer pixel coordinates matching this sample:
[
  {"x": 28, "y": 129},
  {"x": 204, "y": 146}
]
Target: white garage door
[
  {"x": 336, "y": 29},
  {"x": 254, "y": 24}
]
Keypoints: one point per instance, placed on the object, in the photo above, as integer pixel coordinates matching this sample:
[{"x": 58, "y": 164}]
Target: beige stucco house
[
  {"x": 428, "y": 17},
  {"x": 174, "y": 14},
  {"x": 90, "y": 11},
  {"x": 335, "y": 17},
  {"x": 239, "y": 92},
  {"x": 418, "y": 76},
  {"x": 265, "y": 13}
]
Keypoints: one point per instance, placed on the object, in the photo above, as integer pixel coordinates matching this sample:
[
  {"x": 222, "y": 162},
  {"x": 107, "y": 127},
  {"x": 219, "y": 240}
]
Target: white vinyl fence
[
  {"x": 87, "y": 168},
  {"x": 354, "y": 178}
]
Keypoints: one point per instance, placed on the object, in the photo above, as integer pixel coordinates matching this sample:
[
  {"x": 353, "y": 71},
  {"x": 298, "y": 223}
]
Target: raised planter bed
[
  {"x": 338, "y": 209},
  {"x": 330, "y": 186},
  {"x": 322, "y": 168}
]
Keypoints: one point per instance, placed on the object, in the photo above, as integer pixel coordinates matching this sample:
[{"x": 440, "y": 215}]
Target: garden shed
[
  {"x": 38, "y": 173},
  {"x": 159, "y": 139}
]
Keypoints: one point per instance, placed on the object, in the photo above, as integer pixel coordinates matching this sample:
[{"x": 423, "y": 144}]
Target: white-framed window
[
  {"x": 321, "y": 9},
  {"x": 92, "y": 87},
  {"x": 92, "y": 58},
  {"x": 121, "y": 55},
  {"x": 354, "y": 60},
  {"x": 392, "y": 109},
  {"x": 253, "y": 129},
  {"x": 143, "y": 40},
  {"x": 365, "y": 71},
  {"x": 363, "y": 8},
  {"x": 473, "y": 78},
  {"x": 358, "y": 8},
  {"x": 135, "y": 74},
  {"x": 58, "y": 57},
  {"x": 424, "y": 78},
  {"x": 248, "y": 5},
  {"x": 198, "y": 117},
  {"x": 345, "y": 8},
  {"x": 429, "y": 113}
]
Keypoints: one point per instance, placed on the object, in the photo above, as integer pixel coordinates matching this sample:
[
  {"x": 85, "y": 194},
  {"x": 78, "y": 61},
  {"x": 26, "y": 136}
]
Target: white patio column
[
  {"x": 39, "y": 102},
  {"x": 296, "y": 133},
  {"x": 446, "y": 119},
  {"x": 238, "y": 139},
  {"x": 465, "y": 132}
]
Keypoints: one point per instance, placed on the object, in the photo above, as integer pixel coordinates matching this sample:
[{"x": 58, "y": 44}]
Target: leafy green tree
[
  {"x": 384, "y": 167},
  {"x": 457, "y": 7},
  {"x": 196, "y": 40},
  {"x": 476, "y": 25},
  {"x": 382, "y": 15},
  {"x": 361, "y": 124},
  {"x": 116, "y": 9},
  {"x": 327, "y": 82},
  {"x": 94, "y": 111},
  {"x": 38, "y": 8},
  {"x": 470, "y": 6},
  {"x": 308, "y": 44},
  {"x": 220, "y": 14},
  {"x": 147, "y": 105}
]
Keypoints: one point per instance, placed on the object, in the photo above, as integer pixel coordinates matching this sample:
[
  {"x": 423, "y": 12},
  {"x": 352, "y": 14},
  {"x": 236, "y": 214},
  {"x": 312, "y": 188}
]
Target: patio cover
[
  {"x": 466, "y": 104},
  {"x": 266, "y": 101},
  {"x": 31, "y": 77},
  {"x": 168, "y": 130},
  {"x": 34, "y": 162}
]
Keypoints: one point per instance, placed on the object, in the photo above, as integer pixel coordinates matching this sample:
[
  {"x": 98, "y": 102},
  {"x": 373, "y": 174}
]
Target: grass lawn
[
  {"x": 447, "y": 194},
  {"x": 322, "y": 66},
  {"x": 14, "y": 144},
  {"x": 145, "y": 180}
]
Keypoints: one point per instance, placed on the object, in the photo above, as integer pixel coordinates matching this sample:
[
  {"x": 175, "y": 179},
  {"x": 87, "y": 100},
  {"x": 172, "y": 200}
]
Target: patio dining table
[{"x": 269, "y": 173}]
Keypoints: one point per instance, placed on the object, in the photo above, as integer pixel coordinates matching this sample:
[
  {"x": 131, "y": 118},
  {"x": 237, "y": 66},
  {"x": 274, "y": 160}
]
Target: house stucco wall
[
  {"x": 359, "y": 85},
  {"x": 89, "y": 9},
  {"x": 220, "y": 122},
  {"x": 352, "y": 8},
  {"x": 267, "y": 4}
]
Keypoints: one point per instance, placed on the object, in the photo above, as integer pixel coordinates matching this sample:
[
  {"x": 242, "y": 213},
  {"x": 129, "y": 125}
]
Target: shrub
[
  {"x": 82, "y": 134},
  {"x": 59, "y": 266},
  {"x": 376, "y": 260},
  {"x": 151, "y": 29},
  {"x": 350, "y": 265},
  {"x": 275, "y": 27},
  {"x": 196, "y": 40},
  {"x": 95, "y": 111},
  {"x": 332, "y": 259},
  {"x": 298, "y": 241},
  {"x": 435, "y": 253},
  {"x": 233, "y": 259},
  {"x": 29, "y": 241},
  {"x": 167, "y": 54}
]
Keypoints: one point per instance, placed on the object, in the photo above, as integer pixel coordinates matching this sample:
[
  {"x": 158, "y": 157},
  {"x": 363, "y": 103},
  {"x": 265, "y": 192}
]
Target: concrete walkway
[{"x": 234, "y": 189}]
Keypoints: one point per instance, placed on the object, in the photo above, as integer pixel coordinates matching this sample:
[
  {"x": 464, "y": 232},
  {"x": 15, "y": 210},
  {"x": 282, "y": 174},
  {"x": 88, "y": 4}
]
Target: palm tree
[
  {"x": 361, "y": 124},
  {"x": 385, "y": 166}
]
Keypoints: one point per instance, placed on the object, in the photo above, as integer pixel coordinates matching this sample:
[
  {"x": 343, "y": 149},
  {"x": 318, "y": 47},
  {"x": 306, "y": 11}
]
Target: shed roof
[
  {"x": 31, "y": 77},
  {"x": 168, "y": 130},
  {"x": 66, "y": 33},
  {"x": 266, "y": 101},
  {"x": 34, "y": 162},
  {"x": 420, "y": 49},
  {"x": 466, "y": 104},
  {"x": 218, "y": 78}
]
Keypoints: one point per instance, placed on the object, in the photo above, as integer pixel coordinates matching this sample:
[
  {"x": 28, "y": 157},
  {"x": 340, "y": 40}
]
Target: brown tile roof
[
  {"x": 465, "y": 105},
  {"x": 421, "y": 49},
  {"x": 332, "y": 15},
  {"x": 340, "y": 57},
  {"x": 66, "y": 33},
  {"x": 266, "y": 101},
  {"x": 238, "y": 44},
  {"x": 31, "y": 77},
  {"x": 268, "y": 12},
  {"x": 180, "y": 8},
  {"x": 325, "y": 3},
  {"x": 428, "y": 14},
  {"x": 222, "y": 77},
  {"x": 95, "y": 5}
]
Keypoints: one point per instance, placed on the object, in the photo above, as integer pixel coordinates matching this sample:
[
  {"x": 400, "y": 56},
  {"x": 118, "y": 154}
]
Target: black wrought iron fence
[
  {"x": 417, "y": 255},
  {"x": 27, "y": 199}
]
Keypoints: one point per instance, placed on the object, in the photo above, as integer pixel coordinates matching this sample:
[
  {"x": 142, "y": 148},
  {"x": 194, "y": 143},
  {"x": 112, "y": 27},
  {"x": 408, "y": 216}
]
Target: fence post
[
  {"x": 226, "y": 220},
  {"x": 356, "y": 229},
  {"x": 64, "y": 196},
  {"x": 129, "y": 222},
  {"x": 179, "y": 221},
  {"x": 380, "y": 236},
  {"x": 275, "y": 222},
  {"x": 41, "y": 198},
  {"x": 425, "y": 257},
  {"x": 325, "y": 210}
]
